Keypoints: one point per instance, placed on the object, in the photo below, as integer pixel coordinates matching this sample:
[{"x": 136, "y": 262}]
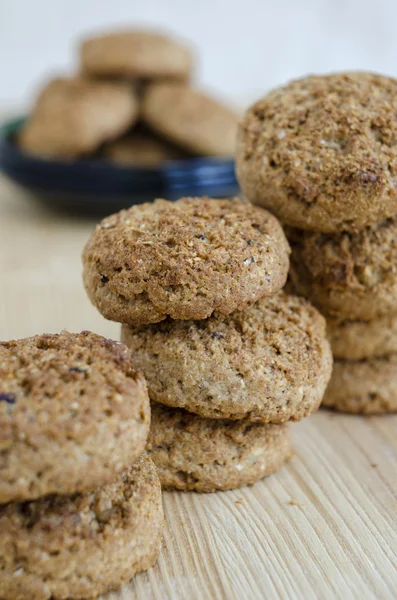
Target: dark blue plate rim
[{"x": 198, "y": 168}]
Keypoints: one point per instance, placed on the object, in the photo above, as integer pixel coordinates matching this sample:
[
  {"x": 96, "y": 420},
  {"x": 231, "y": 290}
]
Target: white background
[{"x": 245, "y": 46}]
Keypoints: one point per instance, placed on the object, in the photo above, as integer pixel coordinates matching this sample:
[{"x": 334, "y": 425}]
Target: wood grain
[{"x": 323, "y": 527}]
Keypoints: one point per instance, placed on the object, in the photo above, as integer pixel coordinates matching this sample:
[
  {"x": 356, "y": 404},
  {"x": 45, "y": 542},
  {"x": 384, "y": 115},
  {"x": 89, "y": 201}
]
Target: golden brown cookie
[
  {"x": 363, "y": 386},
  {"x": 191, "y": 119},
  {"x": 184, "y": 259},
  {"x": 75, "y": 116},
  {"x": 270, "y": 362},
  {"x": 73, "y": 413},
  {"x": 205, "y": 455},
  {"x": 136, "y": 55},
  {"x": 83, "y": 545},
  {"x": 321, "y": 152},
  {"x": 355, "y": 340},
  {"x": 347, "y": 275},
  {"x": 141, "y": 149}
]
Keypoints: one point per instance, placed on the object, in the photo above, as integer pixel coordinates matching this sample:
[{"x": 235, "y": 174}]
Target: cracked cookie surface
[
  {"x": 184, "y": 259},
  {"x": 205, "y": 455},
  {"x": 73, "y": 413},
  {"x": 80, "y": 546},
  {"x": 270, "y": 362},
  {"x": 321, "y": 152}
]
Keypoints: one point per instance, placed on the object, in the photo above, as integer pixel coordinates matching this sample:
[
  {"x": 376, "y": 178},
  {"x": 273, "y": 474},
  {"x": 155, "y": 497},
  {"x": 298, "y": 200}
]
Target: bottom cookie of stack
[
  {"x": 206, "y": 455},
  {"x": 82, "y": 545}
]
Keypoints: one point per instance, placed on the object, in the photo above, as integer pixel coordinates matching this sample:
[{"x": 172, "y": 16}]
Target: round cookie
[
  {"x": 74, "y": 116},
  {"x": 270, "y": 362},
  {"x": 355, "y": 340},
  {"x": 136, "y": 55},
  {"x": 141, "y": 149},
  {"x": 73, "y": 413},
  {"x": 184, "y": 259},
  {"x": 191, "y": 119},
  {"x": 348, "y": 275},
  {"x": 321, "y": 152},
  {"x": 363, "y": 386},
  {"x": 205, "y": 455},
  {"x": 83, "y": 545}
]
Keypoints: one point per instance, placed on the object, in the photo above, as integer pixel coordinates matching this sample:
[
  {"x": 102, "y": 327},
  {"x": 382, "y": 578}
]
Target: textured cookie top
[
  {"x": 142, "y": 149},
  {"x": 184, "y": 259},
  {"x": 74, "y": 116},
  {"x": 190, "y": 118},
  {"x": 349, "y": 275},
  {"x": 269, "y": 362},
  {"x": 136, "y": 54},
  {"x": 321, "y": 152},
  {"x": 73, "y": 412}
]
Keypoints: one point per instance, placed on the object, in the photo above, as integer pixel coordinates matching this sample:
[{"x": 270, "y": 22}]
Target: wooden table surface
[{"x": 322, "y": 527}]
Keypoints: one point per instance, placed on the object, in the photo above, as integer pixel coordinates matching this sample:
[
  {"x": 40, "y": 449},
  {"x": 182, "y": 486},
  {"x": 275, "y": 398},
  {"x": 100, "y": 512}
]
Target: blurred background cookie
[
  {"x": 74, "y": 116},
  {"x": 190, "y": 118},
  {"x": 136, "y": 55},
  {"x": 143, "y": 148}
]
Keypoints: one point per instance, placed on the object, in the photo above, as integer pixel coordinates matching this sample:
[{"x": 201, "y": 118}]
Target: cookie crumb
[
  {"x": 239, "y": 501},
  {"x": 374, "y": 465}
]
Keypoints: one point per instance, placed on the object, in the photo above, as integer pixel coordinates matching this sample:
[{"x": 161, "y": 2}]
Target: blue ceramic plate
[{"x": 95, "y": 185}]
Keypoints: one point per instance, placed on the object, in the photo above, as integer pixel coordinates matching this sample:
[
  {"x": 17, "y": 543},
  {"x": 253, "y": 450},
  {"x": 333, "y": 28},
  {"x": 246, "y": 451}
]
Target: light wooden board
[{"x": 323, "y": 527}]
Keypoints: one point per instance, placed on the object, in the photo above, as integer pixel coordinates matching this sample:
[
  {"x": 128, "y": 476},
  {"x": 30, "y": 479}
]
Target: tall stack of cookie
[
  {"x": 229, "y": 359},
  {"x": 321, "y": 153},
  {"x": 81, "y": 508}
]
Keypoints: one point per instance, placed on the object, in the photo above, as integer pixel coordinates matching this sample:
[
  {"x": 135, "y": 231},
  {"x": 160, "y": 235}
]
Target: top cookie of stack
[
  {"x": 321, "y": 153},
  {"x": 184, "y": 259}
]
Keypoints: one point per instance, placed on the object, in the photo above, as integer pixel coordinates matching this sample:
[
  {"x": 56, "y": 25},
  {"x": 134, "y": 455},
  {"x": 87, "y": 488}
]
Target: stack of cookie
[
  {"x": 229, "y": 359},
  {"x": 321, "y": 154},
  {"x": 81, "y": 508},
  {"x": 132, "y": 103}
]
